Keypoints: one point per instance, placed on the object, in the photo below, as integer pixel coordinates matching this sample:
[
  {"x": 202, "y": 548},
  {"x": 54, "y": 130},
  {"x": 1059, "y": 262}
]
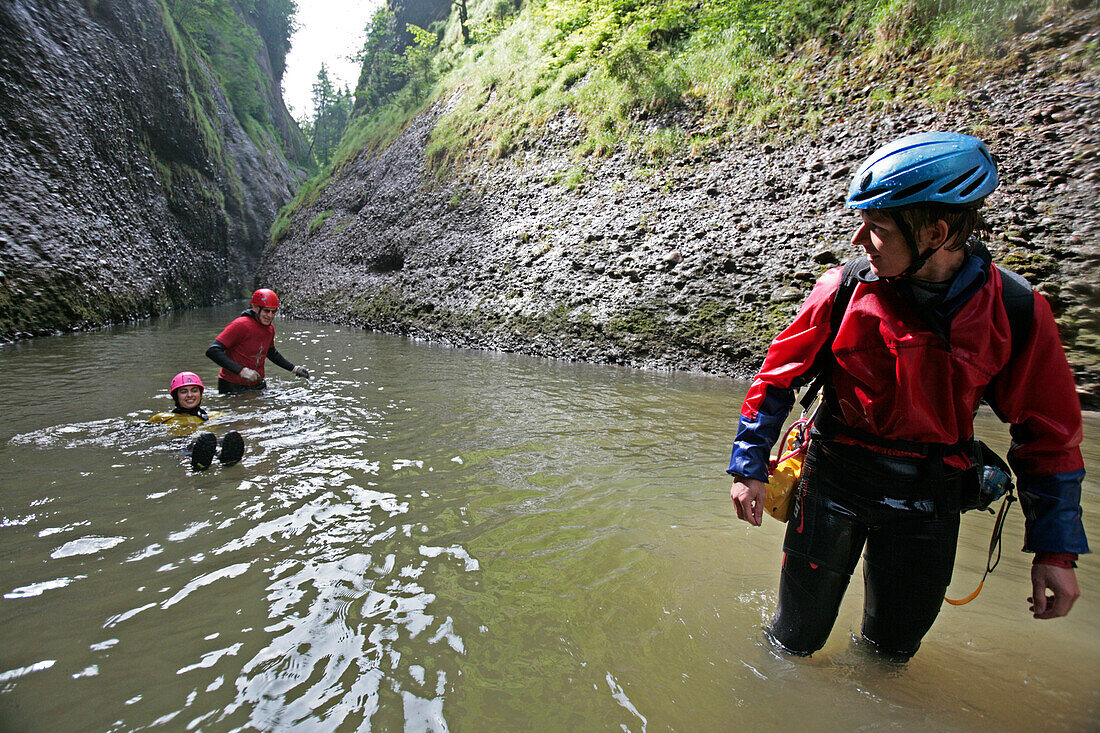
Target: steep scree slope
[{"x": 691, "y": 263}]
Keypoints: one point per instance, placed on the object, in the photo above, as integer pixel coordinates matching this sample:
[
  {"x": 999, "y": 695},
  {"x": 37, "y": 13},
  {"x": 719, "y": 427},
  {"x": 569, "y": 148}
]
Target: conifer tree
[{"x": 331, "y": 108}]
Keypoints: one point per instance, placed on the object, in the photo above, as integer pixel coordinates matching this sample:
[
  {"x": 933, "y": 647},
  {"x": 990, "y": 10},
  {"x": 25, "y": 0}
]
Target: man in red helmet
[{"x": 242, "y": 346}]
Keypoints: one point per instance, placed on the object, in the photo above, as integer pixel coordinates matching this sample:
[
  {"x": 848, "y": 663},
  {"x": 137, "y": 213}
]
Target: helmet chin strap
[{"x": 919, "y": 258}]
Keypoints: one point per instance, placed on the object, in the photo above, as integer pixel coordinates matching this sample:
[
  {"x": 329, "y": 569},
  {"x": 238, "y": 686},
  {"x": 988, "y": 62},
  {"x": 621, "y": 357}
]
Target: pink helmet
[
  {"x": 264, "y": 298},
  {"x": 183, "y": 379}
]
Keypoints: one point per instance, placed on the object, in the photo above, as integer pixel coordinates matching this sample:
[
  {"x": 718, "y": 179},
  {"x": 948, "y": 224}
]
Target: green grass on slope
[
  {"x": 661, "y": 78},
  {"x": 622, "y": 64}
]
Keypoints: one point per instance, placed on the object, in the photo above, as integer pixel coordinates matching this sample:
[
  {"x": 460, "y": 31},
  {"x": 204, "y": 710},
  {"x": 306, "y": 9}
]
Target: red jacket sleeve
[
  {"x": 791, "y": 355},
  {"x": 788, "y": 365},
  {"x": 1035, "y": 392}
]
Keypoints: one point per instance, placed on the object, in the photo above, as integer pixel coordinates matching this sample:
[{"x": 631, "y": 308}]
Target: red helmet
[
  {"x": 182, "y": 379},
  {"x": 264, "y": 298}
]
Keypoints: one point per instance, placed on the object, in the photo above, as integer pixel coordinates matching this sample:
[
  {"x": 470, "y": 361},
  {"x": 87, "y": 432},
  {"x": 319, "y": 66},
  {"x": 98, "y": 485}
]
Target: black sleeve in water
[
  {"x": 278, "y": 359},
  {"x": 217, "y": 354}
]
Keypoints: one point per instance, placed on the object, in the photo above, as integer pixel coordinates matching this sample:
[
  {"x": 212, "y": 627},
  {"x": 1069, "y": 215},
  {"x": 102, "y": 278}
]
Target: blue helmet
[{"x": 927, "y": 168}]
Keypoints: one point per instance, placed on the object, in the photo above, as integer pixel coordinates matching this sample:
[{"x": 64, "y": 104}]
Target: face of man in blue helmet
[
  {"x": 879, "y": 236},
  {"x": 929, "y": 168},
  {"x": 890, "y": 254}
]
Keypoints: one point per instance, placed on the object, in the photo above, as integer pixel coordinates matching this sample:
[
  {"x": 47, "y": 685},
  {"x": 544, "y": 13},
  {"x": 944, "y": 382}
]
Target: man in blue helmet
[{"x": 920, "y": 337}]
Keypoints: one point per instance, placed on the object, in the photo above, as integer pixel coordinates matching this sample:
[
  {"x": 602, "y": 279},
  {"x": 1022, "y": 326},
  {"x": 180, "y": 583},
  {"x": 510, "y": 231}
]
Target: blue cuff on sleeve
[
  {"x": 755, "y": 437},
  {"x": 1052, "y": 513}
]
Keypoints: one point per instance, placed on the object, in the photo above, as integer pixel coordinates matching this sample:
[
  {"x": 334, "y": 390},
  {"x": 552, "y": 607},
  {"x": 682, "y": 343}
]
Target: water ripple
[{"x": 423, "y": 539}]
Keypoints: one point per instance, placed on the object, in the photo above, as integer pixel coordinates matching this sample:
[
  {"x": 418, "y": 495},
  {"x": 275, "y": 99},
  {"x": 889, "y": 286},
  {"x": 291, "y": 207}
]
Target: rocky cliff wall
[
  {"x": 127, "y": 186},
  {"x": 693, "y": 263}
]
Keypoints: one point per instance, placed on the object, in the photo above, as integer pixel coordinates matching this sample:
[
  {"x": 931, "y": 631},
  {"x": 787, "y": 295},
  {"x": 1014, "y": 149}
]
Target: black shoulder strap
[
  {"x": 844, "y": 292},
  {"x": 1019, "y": 302},
  {"x": 823, "y": 361}
]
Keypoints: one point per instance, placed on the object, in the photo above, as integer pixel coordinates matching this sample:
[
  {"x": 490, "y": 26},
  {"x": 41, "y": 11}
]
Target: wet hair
[{"x": 961, "y": 222}]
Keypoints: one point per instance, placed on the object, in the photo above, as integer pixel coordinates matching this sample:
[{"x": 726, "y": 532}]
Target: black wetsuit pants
[
  {"x": 901, "y": 515},
  {"x": 226, "y": 387}
]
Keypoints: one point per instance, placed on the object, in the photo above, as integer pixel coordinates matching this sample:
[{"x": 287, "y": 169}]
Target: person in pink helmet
[
  {"x": 186, "y": 389},
  {"x": 243, "y": 346}
]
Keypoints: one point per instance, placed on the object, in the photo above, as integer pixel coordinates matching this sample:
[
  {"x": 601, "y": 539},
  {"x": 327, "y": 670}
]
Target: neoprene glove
[
  {"x": 249, "y": 375},
  {"x": 300, "y": 371}
]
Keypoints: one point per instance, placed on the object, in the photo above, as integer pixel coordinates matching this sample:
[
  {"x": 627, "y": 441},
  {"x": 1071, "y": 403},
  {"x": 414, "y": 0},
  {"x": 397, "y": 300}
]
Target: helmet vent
[
  {"x": 959, "y": 181},
  {"x": 866, "y": 181},
  {"x": 973, "y": 186},
  {"x": 864, "y": 195},
  {"x": 911, "y": 190}
]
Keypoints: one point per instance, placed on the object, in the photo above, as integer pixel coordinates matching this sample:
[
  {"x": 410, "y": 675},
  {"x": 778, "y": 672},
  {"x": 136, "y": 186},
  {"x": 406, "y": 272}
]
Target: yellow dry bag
[{"x": 786, "y": 470}]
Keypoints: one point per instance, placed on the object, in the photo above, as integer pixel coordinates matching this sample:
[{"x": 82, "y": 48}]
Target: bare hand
[
  {"x": 748, "y": 499},
  {"x": 1062, "y": 583},
  {"x": 250, "y": 375}
]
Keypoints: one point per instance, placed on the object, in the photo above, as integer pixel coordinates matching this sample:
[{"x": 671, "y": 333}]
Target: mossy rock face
[
  {"x": 133, "y": 187},
  {"x": 38, "y": 305},
  {"x": 641, "y": 323},
  {"x": 1036, "y": 267}
]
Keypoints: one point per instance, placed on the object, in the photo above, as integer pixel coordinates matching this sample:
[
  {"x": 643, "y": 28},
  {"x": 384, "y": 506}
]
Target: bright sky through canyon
[{"x": 329, "y": 32}]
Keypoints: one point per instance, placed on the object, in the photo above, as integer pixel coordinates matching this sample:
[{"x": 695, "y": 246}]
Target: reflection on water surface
[{"x": 424, "y": 538}]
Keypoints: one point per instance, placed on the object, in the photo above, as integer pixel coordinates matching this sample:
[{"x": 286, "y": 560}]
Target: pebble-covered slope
[{"x": 694, "y": 263}]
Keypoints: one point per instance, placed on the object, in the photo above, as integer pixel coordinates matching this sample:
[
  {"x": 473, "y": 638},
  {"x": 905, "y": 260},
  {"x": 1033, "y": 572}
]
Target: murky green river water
[{"x": 424, "y": 538}]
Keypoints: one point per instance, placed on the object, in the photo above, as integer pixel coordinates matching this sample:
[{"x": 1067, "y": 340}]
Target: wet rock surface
[
  {"x": 128, "y": 185},
  {"x": 694, "y": 263}
]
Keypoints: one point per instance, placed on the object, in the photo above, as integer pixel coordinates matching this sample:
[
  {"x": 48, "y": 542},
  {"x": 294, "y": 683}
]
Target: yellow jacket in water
[{"x": 183, "y": 420}]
